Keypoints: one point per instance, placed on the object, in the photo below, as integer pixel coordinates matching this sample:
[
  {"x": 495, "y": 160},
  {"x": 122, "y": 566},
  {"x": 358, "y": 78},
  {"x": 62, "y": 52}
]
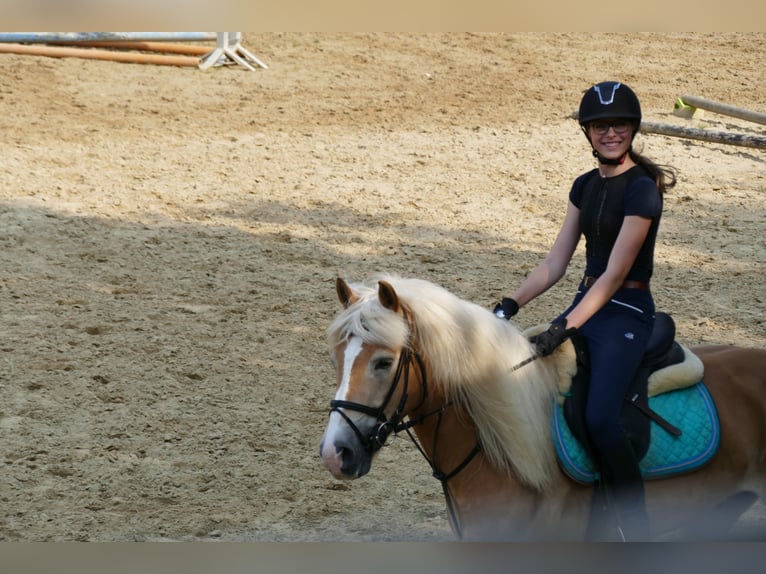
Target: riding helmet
[{"x": 609, "y": 100}]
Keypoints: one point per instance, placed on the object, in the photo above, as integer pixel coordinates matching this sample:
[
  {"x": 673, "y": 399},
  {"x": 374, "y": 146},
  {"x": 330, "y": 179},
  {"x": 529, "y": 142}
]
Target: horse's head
[{"x": 370, "y": 349}]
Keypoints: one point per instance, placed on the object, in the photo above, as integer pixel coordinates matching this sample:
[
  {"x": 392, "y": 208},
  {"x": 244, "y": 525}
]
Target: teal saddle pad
[{"x": 691, "y": 410}]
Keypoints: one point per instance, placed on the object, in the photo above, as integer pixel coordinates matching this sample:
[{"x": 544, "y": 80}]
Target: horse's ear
[
  {"x": 387, "y": 296},
  {"x": 345, "y": 293}
]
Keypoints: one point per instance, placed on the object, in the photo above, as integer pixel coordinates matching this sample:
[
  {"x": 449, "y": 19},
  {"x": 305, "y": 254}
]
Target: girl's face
[{"x": 611, "y": 138}]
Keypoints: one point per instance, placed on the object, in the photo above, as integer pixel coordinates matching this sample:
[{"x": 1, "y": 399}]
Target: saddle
[{"x": 668, "y": 413}]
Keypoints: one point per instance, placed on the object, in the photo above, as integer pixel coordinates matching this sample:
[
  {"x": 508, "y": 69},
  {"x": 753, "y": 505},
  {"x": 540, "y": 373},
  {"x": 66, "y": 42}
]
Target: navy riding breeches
[{"x": 617, "y": 336}]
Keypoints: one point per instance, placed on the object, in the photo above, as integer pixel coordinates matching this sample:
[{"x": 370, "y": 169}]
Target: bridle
[{"x": 378, "y": 437}]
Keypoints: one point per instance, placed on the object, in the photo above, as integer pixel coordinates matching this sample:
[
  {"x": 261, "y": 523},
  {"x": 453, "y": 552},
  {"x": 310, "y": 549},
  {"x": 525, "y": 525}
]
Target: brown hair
[{"x": 664, "y": 175}]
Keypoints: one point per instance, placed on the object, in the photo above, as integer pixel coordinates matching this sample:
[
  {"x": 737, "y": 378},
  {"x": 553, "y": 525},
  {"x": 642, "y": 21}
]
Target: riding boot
[{"x": 624, "y": 489}]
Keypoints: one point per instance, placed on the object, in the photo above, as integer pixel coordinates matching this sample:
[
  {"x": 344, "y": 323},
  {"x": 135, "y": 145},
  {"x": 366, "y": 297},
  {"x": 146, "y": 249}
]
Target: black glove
[
  {"x": 556, "y": 334},
  {"x": 506, "y": 309}
]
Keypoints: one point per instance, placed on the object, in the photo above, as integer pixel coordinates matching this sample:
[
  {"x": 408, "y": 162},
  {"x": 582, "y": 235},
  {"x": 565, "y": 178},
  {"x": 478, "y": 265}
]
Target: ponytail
[{"x": 664, "y": 175}]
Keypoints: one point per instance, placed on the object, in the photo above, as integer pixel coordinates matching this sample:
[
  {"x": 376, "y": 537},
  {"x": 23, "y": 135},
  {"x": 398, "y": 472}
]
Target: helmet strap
[{"x": 608, "y": 161}]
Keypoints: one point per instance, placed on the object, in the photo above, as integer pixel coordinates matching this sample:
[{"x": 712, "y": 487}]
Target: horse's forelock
[{"x": 370, "y": 320}]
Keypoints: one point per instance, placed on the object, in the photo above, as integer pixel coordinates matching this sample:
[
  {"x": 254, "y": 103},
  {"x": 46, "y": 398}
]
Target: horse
[{"x": 476, "y": 400}]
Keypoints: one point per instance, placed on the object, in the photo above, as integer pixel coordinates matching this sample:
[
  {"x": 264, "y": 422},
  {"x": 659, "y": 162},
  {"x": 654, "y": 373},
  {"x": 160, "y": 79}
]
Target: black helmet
[{"x": 609, "y": 100}]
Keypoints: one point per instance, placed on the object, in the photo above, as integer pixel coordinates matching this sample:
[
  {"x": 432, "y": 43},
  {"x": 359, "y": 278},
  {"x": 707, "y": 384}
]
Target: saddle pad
[{"x": 692, "y": 410}]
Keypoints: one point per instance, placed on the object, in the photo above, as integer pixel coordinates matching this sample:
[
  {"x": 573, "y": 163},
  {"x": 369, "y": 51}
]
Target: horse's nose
[
  {"x": 344, "y": 460},
  {"x": 332, "y": 458}
]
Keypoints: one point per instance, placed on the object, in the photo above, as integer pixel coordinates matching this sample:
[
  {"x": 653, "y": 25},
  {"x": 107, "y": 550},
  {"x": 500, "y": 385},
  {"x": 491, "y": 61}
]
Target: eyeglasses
[{"x": 619, "y": 127}]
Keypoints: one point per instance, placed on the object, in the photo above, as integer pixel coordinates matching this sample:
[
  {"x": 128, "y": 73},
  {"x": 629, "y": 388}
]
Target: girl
[{"x": 617, "y": 206}]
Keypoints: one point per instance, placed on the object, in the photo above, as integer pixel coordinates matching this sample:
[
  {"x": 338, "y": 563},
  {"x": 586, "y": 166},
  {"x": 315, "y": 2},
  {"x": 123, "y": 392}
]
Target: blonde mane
[{"x": 470, "y": 354}]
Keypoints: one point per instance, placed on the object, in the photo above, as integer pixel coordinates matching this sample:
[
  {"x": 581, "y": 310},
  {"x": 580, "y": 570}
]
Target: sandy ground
[{"x": 170, "y": 240}]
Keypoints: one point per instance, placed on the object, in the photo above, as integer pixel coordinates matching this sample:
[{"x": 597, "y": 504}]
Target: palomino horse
[{"x": 411, "y": 355}]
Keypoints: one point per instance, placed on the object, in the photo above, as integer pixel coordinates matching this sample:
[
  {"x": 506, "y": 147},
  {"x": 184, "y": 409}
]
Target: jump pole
[
  {"x": 70, "y": 37},
  {"x": 227, "y": 50},
  {"x": 162, "y": 47},
  {"x": 97, "y": 54},
  {"x": 724, "y": 109},
  {"x": 705, "y": 135}
]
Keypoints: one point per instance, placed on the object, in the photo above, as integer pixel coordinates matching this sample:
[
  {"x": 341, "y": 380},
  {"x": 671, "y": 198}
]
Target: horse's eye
[{"x": 383, "y": 364}]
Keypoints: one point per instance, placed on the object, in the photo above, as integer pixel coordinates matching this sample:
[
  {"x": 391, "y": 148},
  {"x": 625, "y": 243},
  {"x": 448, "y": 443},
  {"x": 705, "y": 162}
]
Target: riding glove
[
  {"x": 557, "y": 333},
  {"x": 506, "y": 309}
]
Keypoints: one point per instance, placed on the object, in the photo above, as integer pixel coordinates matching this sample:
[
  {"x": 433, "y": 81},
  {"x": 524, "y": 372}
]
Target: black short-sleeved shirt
[{"x": 604, "y": 203}]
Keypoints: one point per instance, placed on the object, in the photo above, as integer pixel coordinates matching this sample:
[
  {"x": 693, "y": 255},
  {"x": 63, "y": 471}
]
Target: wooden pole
[
  {"x": 705, "y": 135},
  {"x": 166, "y": 47},
  {"x": 724, "y": 109},
  {"x": 95, "y": 54},
  {"x": 69, "y": 37}
]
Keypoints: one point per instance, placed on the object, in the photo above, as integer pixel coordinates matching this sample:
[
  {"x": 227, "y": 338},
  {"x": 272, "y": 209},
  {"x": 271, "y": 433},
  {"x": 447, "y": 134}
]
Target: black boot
[{"x": 624, "y": 492}]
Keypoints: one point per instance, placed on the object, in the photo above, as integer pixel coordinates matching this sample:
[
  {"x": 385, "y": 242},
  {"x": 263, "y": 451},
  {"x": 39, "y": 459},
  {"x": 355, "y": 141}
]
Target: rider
[{"x": 617, "y": 206}]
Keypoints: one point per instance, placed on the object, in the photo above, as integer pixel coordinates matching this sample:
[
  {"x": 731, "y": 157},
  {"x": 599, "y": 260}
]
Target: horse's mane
[{"x": 470, "y": 354}]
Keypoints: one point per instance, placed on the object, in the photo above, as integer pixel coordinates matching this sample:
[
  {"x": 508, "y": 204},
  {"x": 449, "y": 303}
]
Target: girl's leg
[{"x": 616, "y": 343}]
